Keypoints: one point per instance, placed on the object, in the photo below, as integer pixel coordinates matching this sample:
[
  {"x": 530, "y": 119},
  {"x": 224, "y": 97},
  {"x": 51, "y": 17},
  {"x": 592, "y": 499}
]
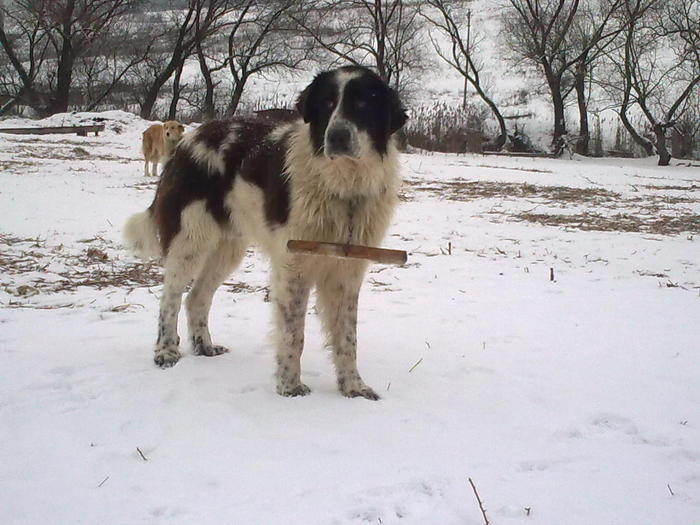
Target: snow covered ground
[{"x": 572, "y": 401}]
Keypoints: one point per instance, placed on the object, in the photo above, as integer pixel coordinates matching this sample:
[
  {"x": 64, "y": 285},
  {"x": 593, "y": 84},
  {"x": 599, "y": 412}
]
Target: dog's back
[{"x": 153, "y": 145}]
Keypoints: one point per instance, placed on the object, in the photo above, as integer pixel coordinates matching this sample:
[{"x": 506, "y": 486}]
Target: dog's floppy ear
[
  {"x": 397, "y": 113},
  {"x": 302, "y": 103}
]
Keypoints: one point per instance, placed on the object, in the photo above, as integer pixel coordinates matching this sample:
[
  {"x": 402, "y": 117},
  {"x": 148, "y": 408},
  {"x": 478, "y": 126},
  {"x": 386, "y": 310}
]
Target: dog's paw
[
  {"x": 357, "y": 389},
  {"x": 293, "y": 389},
  {"x": 166, "y": 357},
  {"x": 209, "y": 350}
]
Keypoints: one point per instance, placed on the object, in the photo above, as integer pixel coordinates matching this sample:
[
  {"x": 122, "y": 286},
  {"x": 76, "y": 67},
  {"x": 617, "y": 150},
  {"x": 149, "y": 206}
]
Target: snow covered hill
[{"x": 573, "y": 400}]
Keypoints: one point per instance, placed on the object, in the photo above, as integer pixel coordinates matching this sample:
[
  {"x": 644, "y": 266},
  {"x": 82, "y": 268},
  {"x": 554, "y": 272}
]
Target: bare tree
[
  {"x": 24, "y": 45},
  {"x": 263, "y": 38},
  {"x": 381, "y": 33},
  {"x": 58, "y": 34},
  {"x": 74, "y": 27},
  {"x": 106, "y": 69},
  {"x": 536, "y": 31},
  {"x": 181, "y": 31},
  {"x": 662, "y": 89},
  {"x": 594, "y": 30},
  {"x": 211, "y": 61},
  {"x": 462, "y": 55}
]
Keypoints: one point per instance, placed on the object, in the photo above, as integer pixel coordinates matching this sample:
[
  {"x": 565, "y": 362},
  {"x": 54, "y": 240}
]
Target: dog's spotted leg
[
  {"x": 338, "y": 304},
  {"x": 166, "y": 351},
  {"x": 290, "y": 295},
  {"x": 182, "y": 263},
  {"x": 219, "y": 265}
]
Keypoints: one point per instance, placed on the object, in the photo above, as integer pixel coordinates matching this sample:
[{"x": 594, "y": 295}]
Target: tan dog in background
[{"x": 159, "y": 143}]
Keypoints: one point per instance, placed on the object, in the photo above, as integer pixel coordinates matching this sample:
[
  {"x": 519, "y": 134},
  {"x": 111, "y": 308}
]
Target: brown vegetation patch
[
  {"x": 692, "y": 187},
  {"x": 241, "y": 287},
  {"x": 144, "y": 184},
  {"x": 464, "y": 190},
  {"x": 57, "y": 269},
  {"x": 60, "y": 152},
  {"x": 14, "y": 165},
  {"x": 622, "y": 222}
]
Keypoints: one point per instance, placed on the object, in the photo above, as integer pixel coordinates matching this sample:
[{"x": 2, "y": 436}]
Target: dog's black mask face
[{"x": 350, "y": 110}]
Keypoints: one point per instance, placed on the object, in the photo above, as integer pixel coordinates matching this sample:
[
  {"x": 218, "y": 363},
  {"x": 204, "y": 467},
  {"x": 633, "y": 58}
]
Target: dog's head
[
  {"x": 173, "y": 130},
  {"x": 351, "y": 113}
]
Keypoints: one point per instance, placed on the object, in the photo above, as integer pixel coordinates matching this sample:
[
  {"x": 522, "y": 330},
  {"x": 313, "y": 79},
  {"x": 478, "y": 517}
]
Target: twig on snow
[
  {"x": 414, "y": 366},
  {"x": 670, "y": 490},
  {"x": 478, "y": 499},
  {"x": 141, "y": 454},
  {"x": 103, "y": 482}
]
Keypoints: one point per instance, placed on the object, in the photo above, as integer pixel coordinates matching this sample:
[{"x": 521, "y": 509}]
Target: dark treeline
[{"x": 162, "y": 57}]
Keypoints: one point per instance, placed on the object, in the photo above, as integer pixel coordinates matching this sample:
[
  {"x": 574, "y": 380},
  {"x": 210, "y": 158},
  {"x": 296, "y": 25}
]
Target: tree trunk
[
  {"x": 64, "y": 75},
  {"x": 580, "y": 86},
  {"x": 661, "y": 149},
  {"x": 501, "y": 140},
  {"x": 208, "y": 110},
  {"x": 154, "y": 89},
  {"x": 554, "y": 84},
  {"x": 644, "y": 143},
  {"x": 177, "y": 89},
  {"x": 236, "y": 97}
]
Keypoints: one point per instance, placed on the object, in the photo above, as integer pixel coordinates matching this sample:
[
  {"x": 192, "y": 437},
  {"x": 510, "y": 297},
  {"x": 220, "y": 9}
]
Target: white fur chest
[{"x": 340, "y": 200}]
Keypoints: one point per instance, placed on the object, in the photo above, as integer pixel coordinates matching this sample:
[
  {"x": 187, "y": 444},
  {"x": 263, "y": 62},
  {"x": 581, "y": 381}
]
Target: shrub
[{"x": 447, "y": 129}]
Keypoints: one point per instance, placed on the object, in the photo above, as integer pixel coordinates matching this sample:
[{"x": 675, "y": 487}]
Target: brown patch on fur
[
  {"x": 248, "y": 152},
  {"x": 278, "y": 115},
  {"x": 264, "y": 167},
  {"x": 214, "y": 133}
]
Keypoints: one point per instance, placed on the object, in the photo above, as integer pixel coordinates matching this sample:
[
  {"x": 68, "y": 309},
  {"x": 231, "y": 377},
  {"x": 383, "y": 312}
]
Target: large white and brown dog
[{"x": 330, "y": 175}]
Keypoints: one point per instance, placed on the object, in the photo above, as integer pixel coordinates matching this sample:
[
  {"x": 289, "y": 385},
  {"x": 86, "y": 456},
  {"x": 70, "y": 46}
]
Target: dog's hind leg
[
  {"x": 338, "y": 292},
  {"x": 218, "y": 265},
  {"x": 197, "y": 238},
  {"x": 178, "y": 275},
  {"x": 290, "y": 294}
]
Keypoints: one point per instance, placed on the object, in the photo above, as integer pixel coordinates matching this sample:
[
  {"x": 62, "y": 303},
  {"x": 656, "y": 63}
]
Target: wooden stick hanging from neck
[{"x": 348, "y": 251}]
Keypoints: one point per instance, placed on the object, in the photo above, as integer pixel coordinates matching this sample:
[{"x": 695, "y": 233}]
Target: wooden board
[
  {"x": 352, "y": 251},
  {"x": 517, "y": 154},
  {"x": 56, "y": 130}
]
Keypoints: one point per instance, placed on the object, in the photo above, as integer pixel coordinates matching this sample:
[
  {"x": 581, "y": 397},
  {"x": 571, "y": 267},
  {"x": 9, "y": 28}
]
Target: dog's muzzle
[{"x": 340, "y": 141}]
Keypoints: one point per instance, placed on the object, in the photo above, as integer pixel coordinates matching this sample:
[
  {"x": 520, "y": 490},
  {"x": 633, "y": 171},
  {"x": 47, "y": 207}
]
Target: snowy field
[{"x": 567, "y": 401}]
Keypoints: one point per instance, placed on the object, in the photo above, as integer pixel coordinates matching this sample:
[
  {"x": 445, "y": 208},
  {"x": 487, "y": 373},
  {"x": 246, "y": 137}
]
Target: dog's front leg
[
  {"x": 290, "y": 293},
  {"x": 338, "y": 303}
]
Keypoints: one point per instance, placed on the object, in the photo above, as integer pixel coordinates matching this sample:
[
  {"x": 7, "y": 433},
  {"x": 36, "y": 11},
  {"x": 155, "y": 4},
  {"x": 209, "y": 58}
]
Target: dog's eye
[
  {"x": 360, "y": 103},
  {"x": 330, "y": 102}
]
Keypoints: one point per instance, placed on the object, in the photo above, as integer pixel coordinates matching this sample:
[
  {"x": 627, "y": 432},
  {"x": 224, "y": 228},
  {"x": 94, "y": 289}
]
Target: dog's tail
[{"x": 141, "y": 235}]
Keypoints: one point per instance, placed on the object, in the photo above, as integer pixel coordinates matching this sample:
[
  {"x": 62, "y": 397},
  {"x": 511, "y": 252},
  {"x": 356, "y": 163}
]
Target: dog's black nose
[{"x": 339, "y": 140}]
